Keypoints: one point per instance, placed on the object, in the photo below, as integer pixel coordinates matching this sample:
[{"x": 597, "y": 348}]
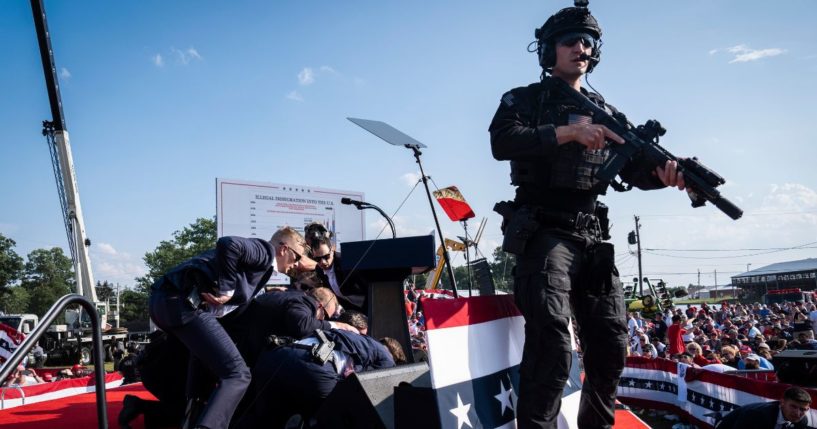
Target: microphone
[
  {"x": 364, "y": 205},
  {"x": 356, "y": 203},
  {"x": 585, "y": 57}
]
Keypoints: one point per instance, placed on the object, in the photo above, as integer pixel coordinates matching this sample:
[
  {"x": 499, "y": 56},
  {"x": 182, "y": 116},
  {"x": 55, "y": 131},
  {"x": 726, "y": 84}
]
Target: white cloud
[
  {"x": 327, "y": 69},
  {"x": 713, "y": 51},
  {"x": 157, "y": 60},
  {"x": 121, "y": 272},
  {"x": 776, "y": 217},
  {"x": 744, "y": 53},
  {"x": 187, "y": 55},
  {"x": 411, "y": 179},
  {"x": 294, "y": 95},
  {"x": 790, "y": 197},
  {"x": 106, "y": 248},
  {"x": 115, "y": 266},
  {"x": 64, "y": 73},
  {"x": 306, "y": 76}
]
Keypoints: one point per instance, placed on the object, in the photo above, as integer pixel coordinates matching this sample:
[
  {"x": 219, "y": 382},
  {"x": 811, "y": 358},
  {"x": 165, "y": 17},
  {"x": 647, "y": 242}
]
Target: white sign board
[{"x": 258, "y": 209}]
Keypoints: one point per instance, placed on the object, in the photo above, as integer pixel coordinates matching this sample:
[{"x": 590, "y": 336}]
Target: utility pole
[
  {"x": 638, "y": 241},
  {"x": 699, "y": 278},
  {"x": 117, "y": 305},
  {"x": 716, "y": 279}
]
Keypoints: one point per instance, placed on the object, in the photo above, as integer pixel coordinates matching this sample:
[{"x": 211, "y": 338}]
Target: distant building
[
  {"x": 725, "y": 291},
  {"x": 800, "y": 274}
]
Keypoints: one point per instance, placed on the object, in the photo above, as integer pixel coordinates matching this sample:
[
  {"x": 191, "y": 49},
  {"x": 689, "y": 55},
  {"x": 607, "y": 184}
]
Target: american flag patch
[
  {"x": 574, "y": 118},
  {"x": 508, "y": 99}
]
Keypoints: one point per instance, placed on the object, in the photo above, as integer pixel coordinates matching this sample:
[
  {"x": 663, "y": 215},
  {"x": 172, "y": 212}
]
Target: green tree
[
  {"x": 15, "y": 300},
  {"x": 11, "y": 265},
  {"x": 48, "y": 276},
  {"x": 196, "y": 238},
  {"x": 501, "y": 269},
  {"x": 133, "y": 306},
  {"x": 105, "y": 290}
]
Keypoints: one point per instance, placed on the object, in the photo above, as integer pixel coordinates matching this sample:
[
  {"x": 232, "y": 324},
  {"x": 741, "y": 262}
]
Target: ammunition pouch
[
  {"x": 604, "y": 221},
  {"x": 601, "y": 273},
  {"x": 518, "y": 225}
]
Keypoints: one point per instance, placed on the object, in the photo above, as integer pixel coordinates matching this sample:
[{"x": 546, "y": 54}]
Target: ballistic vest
[{"x": 572, "y": 166}]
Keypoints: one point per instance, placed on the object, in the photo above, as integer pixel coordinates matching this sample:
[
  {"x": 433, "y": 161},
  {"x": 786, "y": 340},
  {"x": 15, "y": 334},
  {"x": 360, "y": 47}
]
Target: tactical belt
[
  {"x": 320, "y": 352},
  {"x": 574, "y": 221}
]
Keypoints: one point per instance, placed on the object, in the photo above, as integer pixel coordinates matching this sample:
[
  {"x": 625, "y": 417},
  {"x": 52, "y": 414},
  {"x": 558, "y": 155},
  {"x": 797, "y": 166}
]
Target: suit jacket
[
  {"x": 756, "y": 416},
  {"x": 290, "y": 313},
  {"x": 287, "y": 380},
  {"x": 237, "y": 264},
  {"x": 351, "y": 286}
]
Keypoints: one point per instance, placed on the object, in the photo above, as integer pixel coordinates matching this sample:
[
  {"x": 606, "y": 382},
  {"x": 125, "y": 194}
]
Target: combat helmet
[{"x": 567, "y": 20}]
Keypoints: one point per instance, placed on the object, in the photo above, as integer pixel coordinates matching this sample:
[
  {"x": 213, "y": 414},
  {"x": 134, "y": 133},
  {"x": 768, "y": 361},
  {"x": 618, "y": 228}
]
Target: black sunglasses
[
  {"x": 297, "y": 255},
  {"x": 323, "y": 258},
  {"x": 570, "y": 39}
]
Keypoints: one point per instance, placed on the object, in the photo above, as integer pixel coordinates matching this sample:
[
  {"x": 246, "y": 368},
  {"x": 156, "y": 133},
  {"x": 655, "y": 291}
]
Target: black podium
[{"x": 383, "y": 265}]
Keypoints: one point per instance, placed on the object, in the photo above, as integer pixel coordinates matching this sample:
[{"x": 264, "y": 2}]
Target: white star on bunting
[
  {"x": 504, "y": 398},
  {"x": 461, "y": 412}
]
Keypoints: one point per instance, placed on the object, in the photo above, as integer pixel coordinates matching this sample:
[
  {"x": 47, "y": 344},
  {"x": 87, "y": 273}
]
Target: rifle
[{"x": 643, "y": 139}]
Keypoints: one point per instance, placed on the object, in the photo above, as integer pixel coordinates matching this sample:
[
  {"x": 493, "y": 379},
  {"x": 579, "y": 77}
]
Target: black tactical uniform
[{"x": 565, "y": 261}]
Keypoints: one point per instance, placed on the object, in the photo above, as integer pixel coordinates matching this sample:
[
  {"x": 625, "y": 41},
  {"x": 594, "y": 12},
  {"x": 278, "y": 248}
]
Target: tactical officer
[{"x": 557, "y": 228}]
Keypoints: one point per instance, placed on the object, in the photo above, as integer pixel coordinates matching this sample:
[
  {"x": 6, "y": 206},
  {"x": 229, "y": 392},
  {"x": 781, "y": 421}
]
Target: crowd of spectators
[
  {"x": 23, "y": 376},
  {"x": 726, "y": 336},
  {"x": 416, "y": 322}
]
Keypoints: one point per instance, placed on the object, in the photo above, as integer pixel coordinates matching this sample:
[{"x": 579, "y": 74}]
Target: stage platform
[{"x": 79, "y": 412}]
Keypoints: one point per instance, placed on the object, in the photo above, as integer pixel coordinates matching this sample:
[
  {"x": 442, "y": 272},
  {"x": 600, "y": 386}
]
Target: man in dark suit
[
  {"x": 293, "y": 314},
  {"x": 790, "y": 412},
  {"x": 351, "y": 292},
  {"x": 291, "y": 380},
  {"x": 189, "y": 301}
]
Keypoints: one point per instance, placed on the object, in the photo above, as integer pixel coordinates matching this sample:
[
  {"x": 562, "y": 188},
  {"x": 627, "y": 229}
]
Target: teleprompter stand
[{"x": 396, "y": 137}]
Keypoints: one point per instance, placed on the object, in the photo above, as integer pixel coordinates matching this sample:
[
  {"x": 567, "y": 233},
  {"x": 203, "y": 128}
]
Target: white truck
[{"x": 66, "y": 344}]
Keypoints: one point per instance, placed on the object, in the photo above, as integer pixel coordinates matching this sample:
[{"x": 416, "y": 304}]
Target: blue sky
[{"x": 163, "y": 97}]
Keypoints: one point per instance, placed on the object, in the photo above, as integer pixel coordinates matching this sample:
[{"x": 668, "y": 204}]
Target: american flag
[
  {"x": 10, "y": 339},
  {"x": 701, "y": 395},
  {"x": 475, "y": 347},
  {"x": 575, "y": 118}
]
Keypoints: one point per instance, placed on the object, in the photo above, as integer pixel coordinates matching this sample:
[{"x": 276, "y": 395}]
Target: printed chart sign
[{"x": 258, "y": 209}]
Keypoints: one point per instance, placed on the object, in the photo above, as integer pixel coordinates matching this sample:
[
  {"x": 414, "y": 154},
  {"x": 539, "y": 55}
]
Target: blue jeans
[{"x": 209, "y": 346}]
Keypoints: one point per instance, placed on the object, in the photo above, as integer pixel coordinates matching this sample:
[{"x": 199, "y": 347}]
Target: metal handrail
[
  {"x": 40, "y": 329},
  {"x": 3, "y": 395}
]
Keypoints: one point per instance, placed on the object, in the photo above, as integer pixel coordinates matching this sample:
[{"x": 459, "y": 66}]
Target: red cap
[
  {"x": 76, "y": 368},
  {"x": 47, "y": 376},
  {"x": 745, "y": 349}
]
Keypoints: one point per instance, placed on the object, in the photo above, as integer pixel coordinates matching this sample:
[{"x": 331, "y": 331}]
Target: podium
[{"x": 383, "y": 265}]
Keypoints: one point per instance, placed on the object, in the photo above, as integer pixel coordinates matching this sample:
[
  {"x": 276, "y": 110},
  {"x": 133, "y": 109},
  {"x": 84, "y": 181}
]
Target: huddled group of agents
[{"x": 230, "y": 353}]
